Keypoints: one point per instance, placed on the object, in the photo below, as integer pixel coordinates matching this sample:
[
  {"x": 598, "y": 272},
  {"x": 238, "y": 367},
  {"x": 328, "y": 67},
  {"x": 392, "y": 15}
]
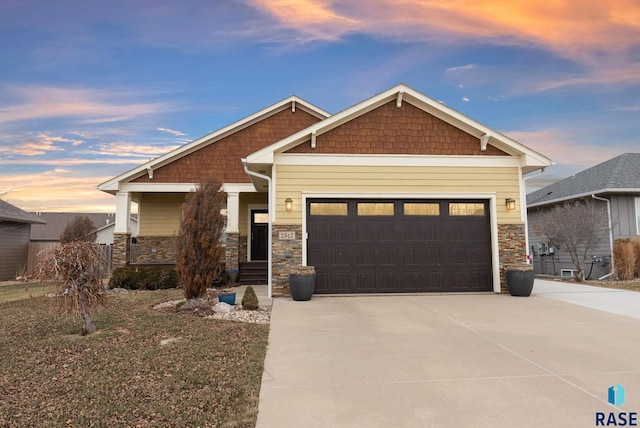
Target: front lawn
[
  {"x": 23, "y": 290},
  {"x": 142, "y": 368}
]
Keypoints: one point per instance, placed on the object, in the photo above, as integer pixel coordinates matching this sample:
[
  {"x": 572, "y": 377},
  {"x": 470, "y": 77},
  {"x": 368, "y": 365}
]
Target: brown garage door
[{"x": 396, "y": 246}]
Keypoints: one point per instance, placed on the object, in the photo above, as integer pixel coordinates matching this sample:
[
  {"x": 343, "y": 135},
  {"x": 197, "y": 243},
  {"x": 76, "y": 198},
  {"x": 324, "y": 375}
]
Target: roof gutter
[
  {"x": 584, "y": 195},
  {"x": 610, "y": 234},
  {"x": 270, "y": 211}
]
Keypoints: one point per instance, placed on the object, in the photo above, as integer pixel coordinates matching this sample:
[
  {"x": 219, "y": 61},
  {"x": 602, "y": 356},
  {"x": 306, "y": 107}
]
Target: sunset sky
[{"x": 91, "y": 89}]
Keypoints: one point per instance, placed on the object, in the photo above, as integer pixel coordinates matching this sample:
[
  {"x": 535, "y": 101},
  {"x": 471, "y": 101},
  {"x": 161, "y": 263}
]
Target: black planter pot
[
  {"x": 520, "y": 282},
  {"x": 302, "y": 286}
]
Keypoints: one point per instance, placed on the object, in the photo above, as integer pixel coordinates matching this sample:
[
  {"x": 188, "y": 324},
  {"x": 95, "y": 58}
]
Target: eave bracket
[
  {"x": 399, "y": 99},
  {"x": 484, "y": 140}
]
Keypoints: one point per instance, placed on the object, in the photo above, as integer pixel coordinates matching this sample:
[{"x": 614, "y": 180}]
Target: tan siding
[
  {"x": 292, "y": 180},
  {"x": 160, "y": 214}
]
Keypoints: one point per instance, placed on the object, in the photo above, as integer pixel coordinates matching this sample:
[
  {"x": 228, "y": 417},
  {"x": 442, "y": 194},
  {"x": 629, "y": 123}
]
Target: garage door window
[
  {"x": 421, "y": 208},
  {"x": 328, "y": 208},
  {"x": 375, "y": 209},
  {"x": 466, "y": 209}
]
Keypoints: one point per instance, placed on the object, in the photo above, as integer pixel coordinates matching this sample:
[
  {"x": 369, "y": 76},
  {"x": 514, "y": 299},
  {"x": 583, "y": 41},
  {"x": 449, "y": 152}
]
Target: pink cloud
[
  {"x": 139, "y": 150},
  {"x": 90, "y": 105},
  {"x": 583, "y": 30},
  {"x": 57, "y": 190},
  {"x": 561, "y": 147}
]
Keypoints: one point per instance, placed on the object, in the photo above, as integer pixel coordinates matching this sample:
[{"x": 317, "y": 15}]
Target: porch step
[{"x": 253, "y": 273}]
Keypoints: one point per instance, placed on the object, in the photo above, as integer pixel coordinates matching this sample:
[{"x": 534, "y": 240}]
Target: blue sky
[{"x": 91, "y": 89}]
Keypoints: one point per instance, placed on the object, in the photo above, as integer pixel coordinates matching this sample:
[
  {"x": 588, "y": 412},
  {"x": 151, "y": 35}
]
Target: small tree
[
  {"x": 199, "y": 251},
  {"x": 250, "y": 299},
  {"x": 575, "y": 227},
  {"x": 72, "y": 267},
  {"x": 80, "y": 228}
]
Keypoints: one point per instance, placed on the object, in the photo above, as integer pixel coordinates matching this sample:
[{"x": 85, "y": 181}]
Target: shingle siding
[
  {"x": 392, "y": 130},
  {"x": 222, "y": 157}
]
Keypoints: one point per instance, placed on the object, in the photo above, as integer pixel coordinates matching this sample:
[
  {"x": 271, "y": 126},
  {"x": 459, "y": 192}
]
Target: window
[
  {"x": 375, "y": 208},
  {"x": 637, "y": 216},
  {"x": 466, "y": 208},
  {"x": 328, "y": 208},
  {"x": 567, "y": 273},
  {"x": 421, "y": 208},
  {"x": 260, "y": 218}
]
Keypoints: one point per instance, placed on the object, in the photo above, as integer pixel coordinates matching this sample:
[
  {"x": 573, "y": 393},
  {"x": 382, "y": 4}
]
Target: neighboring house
[
  {"x": 57, "y": 222},
  {"x": 398, "y": 193},
  {"x": 104, "y": 234},
  {"x": 46, "y": 236},
  {"x": 15, "y": 228},
  {"x": 616, "y": 185}
]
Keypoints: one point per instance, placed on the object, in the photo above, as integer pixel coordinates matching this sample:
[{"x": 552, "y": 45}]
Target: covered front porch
[{"x": 159, "y": 213}]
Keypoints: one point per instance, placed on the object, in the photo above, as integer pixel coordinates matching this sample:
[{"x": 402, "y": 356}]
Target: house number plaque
[{"x": 286, "y": 236}]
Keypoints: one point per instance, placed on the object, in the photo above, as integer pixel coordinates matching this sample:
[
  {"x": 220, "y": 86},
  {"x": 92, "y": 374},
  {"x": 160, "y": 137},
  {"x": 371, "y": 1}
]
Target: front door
[{"x": 259, "y": 234}]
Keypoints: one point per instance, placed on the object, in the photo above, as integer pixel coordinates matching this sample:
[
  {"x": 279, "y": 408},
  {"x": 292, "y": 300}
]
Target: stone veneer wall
[
  {"x": 512, "y": 249},
  {"x": 286, "y": 254},
  {"x": 231, "y": 253},
  {"x": 121, "y": 250},
  {"x": 155, "y": 249},
  {"x": 242, "y": 250}
]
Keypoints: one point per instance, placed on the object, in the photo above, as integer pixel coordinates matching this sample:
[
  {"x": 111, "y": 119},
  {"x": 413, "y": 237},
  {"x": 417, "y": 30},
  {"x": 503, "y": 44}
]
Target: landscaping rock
[
  {"x": 223, "y": 308},
  {"x": 195, "y": 305}
]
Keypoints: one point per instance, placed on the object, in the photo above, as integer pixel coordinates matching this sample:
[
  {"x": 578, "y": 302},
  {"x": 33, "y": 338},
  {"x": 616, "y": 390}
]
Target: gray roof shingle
[
  {"x": 618, "y": 175},
  {"x": 10, "y": 212},
  {"x": 57, "y": 222}
]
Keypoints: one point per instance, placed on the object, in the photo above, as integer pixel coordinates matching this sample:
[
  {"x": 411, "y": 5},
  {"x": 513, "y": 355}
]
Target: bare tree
[
  {"x": 199, "y": 251},
  {"x": 575, "y": 227},
  {"x": 72, "y": 266},
  {"x": 80, "y": 228}
]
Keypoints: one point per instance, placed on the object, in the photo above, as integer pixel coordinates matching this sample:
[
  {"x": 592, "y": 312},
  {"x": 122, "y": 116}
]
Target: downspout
[
  {"x": 610, "y": 234},
  {"x": 270, "y": 209},
  {"x": 526, "y": 214}
]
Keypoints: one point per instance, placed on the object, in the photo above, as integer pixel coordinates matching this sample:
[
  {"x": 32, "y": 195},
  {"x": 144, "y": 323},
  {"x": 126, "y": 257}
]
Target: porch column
[
  {"x": 233, "y": 231},
  {"x": 123, "y": 213},
  {"x": 122, "y": 232}
]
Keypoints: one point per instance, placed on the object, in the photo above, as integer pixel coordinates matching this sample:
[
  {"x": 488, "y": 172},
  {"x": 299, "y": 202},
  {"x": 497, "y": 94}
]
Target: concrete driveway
[{"x": 482, "y": 360}]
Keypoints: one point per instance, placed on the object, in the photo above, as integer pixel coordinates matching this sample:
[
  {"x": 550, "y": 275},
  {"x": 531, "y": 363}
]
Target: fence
[{"x": 37, "y": 251}]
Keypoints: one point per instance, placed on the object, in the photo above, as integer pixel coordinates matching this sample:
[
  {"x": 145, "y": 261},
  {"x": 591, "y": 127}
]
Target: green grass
[
  {"x": 21, "y": 291},
  {"x": 207, "y": 375}
]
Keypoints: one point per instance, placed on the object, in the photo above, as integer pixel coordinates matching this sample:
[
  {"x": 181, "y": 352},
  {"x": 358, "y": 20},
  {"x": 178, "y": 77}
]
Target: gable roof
[
  {"x": 12, "y": 213},
  {"x": 56, "y": 223},
  {"x": 531, "y": 160},
  {"x": 293, "y": 102},
  {"x": 618, "y": 175}
]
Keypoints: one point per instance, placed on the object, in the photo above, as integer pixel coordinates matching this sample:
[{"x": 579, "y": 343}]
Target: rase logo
[{"x": 615, "y": 396}]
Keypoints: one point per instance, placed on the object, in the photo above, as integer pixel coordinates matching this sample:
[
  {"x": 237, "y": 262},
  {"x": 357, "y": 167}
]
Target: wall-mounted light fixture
[
  {"x": 288, "y": 205},
  {"x": 511, "y": 204}
]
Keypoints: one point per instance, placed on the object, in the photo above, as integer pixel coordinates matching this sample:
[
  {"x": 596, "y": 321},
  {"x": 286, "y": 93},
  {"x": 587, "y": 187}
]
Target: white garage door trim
[{"x": 491, "y": 197}]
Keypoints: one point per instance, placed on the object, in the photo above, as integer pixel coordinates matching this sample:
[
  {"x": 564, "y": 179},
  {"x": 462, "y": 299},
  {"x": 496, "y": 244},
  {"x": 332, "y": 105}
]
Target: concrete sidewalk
[
  {"x": 482, "y": 360},
  {"x": 621, "y": 302}
]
